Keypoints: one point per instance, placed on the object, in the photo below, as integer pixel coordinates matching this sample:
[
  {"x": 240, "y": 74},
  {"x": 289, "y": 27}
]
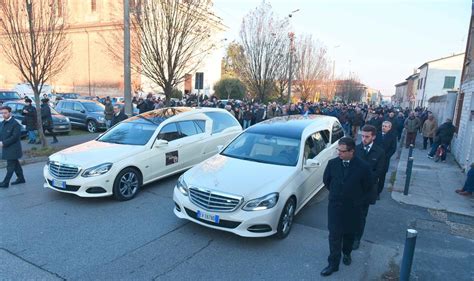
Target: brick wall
[{"x": 463, "y": 142}]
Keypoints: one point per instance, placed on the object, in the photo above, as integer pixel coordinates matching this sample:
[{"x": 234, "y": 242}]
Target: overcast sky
[{"x": 382, "y": 41}]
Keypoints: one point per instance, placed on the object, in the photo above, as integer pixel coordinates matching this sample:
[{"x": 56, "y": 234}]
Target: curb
[{"x": 27, "y": 161}]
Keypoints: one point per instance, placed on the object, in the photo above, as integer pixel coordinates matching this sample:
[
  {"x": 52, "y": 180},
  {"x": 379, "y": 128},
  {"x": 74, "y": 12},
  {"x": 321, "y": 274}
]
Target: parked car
[
  {"x": 68, "y": 96},
  {"x": 61, "y": 123},
  {"x": 6, "y": 95},
  {"x": 83, "y": 113},
  {"x": 262, "y": 179},
  {"x": 140, "y": 150}
]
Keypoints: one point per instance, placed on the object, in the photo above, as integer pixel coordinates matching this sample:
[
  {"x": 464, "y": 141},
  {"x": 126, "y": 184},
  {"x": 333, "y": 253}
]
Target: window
[
  {"x": 449, "y": 82},
  {"x": 94, "y": 106},
  {"x": 221, "y": 121},
  {"x": 67, "y": 105},
  {"x": 169, "y": 132},
  {"x": 201, "y": 125},
  {"x": 187, "y": 128},
  {"x": 77, "y": 107},
  {"x": 18, "y": 108},
  {"x": 315, "y": 144},
  {"x": 93, "y": 5},
  {"x": 264, "y": 148},
  {"x": 134, "y": 132},
  {"x": 337, "y": 132}
]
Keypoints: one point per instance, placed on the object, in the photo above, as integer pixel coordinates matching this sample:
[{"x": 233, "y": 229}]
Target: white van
[{"x": 25, "y": 90}]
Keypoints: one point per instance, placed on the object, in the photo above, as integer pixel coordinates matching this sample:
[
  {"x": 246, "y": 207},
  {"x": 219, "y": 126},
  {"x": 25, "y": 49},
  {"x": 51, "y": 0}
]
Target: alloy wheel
[
  {"x": 128, "y": 185},
  {"x": 288, "y": 217}
]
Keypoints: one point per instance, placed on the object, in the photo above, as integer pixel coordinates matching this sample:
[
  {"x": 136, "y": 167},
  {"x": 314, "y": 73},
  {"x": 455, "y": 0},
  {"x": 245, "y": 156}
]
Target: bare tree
[
  {"x": 33, "y": 40},
  {"x": 350, "y": 89},
  {"x": 172, "y": 37},
  {"x": 282, "y": 74},
  {"x": 312, "y": 68},
  {"x": 263, "y": 38}
]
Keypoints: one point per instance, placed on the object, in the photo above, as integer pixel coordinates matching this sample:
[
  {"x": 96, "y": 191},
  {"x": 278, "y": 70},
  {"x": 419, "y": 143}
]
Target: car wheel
[
  {"x": 91, "y": 126},
  {"x": 286, "y": 219},
  {"x": 126, "y": 184}
]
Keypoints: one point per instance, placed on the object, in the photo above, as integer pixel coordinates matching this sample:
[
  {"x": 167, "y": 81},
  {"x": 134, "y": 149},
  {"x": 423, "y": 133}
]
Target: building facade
[
  {"x": 400, "y": 94},
  {"x": 93, "y": 29},
  {"x": 438, "y": 76},
  {"x": 463, "y": 143}
]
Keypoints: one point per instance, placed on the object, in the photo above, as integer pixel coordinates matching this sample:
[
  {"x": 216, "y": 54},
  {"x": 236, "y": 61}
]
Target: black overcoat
[
  {"x": 46, "y": 116},
  {"x": 118, "y": 118},
  {"x": 29, "y": 119},
  {"x": 389, "y": 145},
  {"x": 10, "y": 136},
  {"x": 348, "y": 190},
  {"x": 376, "y": 160}
]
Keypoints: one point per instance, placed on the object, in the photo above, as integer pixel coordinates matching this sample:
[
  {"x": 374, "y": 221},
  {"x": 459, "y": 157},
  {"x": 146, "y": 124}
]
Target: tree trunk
[
  {"x": 39, "y": 119},
  {"x": 168, "y": 89}
]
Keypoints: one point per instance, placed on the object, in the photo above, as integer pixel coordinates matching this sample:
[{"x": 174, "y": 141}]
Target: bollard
[
  {"x": 408, "y": 253},
  {"x": 410, "y": 154},
  {"x": 407, "y": 180}
]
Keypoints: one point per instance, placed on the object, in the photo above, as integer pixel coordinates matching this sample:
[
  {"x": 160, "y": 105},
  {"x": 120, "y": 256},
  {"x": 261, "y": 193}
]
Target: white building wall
[
  {"x": 463, "y": 141},
  {"x": 433, "y": 77},
  {"x": 422, "y": 79}
]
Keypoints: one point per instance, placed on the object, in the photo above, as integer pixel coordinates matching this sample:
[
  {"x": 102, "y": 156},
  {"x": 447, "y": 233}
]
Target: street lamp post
[
  {"x": 126, "y": 59},
  {"x": 291, "y": 35}
]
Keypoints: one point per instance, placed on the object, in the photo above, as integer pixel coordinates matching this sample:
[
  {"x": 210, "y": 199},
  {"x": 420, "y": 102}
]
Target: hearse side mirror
[{"x": 161, "y": 143}]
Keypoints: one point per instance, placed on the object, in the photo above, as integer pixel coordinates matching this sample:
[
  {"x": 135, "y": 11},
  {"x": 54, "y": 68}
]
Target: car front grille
[
  {"x": 63, "y": 171},
  {"x": 214, "y": 201}
]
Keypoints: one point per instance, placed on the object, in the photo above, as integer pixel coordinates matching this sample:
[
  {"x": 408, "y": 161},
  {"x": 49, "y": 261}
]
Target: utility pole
[
  {"x": 126, "y": 59},
  {"x": 290, "y": 70}
]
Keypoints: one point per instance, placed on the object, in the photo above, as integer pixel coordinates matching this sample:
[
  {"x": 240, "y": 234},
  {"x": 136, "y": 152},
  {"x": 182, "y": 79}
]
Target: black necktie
[
  {"x": 345, "y": 163},
  {"x": 366, "y": 148}
]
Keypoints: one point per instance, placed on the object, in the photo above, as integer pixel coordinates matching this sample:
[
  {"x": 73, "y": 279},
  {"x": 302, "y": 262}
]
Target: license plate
[
  {"x": 62, "y": 127},
  {"x": 59, "y": 184},
  {"x": 208, "y": 217}
]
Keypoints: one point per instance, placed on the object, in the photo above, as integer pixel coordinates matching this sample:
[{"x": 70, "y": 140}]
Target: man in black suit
[
  {"x": 374, "y": 155},
  {"x": 387, "y": 139},
  {"x": 118, "y": 116},
  {"x": 349, "y": 181},
  {"x": 11, "y": 147}
]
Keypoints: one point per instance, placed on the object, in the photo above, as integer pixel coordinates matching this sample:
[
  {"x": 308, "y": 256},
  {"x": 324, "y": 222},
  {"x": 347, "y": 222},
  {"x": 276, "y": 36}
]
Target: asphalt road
[{"x": 48, "y": 235}]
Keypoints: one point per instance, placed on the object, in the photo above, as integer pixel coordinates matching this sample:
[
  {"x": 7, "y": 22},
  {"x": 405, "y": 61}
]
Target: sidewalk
[
  {"x": 64, "y": 142},
  {"x": 432, "y": 183}
]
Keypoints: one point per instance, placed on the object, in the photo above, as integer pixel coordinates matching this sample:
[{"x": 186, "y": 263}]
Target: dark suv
[
  {"x": 61, "y": 123},
  {"x": 6, "y": 95},
  {"x": 84, "y": 113}
]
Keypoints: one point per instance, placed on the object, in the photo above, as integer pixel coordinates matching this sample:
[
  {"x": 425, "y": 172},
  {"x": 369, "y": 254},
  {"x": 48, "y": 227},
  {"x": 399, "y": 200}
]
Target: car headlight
[
  {"x": 67, "y": 119},
  {"x": 182, "y": 186},
  {"x": 101, "y": 119},
  {"x": 263, "y": 203},
  {"x": 97, "y": 170}
]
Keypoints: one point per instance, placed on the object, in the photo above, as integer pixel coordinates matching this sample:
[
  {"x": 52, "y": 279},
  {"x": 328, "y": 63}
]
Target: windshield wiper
[{"x": 247, "y": 158}]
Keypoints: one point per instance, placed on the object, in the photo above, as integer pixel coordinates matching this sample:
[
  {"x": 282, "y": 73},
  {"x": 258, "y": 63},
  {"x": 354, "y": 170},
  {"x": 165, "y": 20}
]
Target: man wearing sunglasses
[{"x": 11, "y": 147}]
